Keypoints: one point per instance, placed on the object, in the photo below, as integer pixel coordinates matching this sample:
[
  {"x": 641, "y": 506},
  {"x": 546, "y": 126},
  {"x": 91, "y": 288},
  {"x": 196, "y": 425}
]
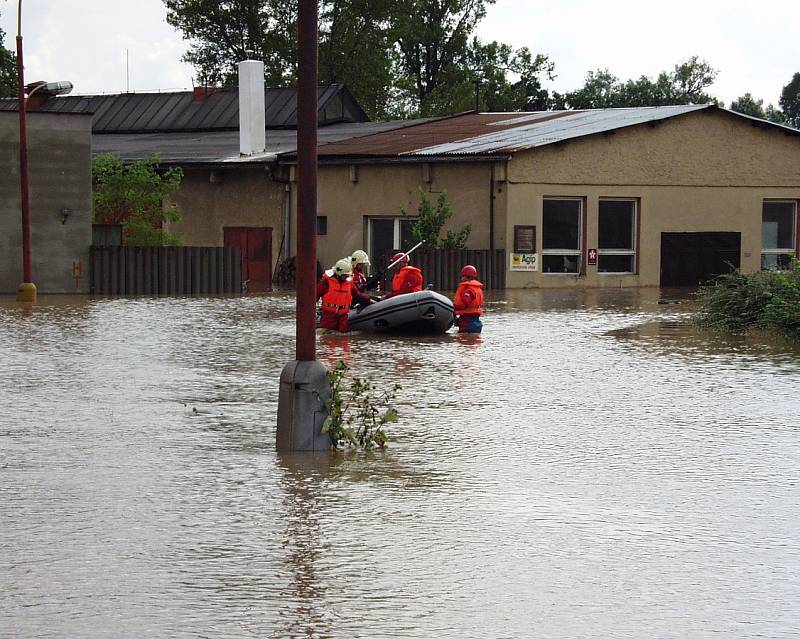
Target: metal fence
[
  {"x": 165, "y": 270},
  {"x": 442, "y": 267}
]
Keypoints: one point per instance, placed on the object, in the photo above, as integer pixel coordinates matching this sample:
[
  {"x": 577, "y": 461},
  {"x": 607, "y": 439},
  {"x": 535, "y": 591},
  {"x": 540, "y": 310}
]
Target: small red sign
[{"x": 592, "y": 254}]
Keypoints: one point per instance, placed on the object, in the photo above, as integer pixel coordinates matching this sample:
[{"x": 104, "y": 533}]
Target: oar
[{"x": 375, "y": 278}]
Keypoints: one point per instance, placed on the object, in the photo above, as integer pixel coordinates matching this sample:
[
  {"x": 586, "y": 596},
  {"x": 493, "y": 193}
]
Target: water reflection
[{"x": 591, "y": 451}]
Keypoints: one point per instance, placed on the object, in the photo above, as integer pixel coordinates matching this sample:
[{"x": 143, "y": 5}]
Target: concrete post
[{"x": 304, "y": 387}]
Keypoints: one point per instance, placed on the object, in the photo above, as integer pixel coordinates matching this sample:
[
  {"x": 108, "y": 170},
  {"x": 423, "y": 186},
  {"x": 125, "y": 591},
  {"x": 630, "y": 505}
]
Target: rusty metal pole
[
  {"x": 27, "y": 290},
  {"x": 307, "y": 181},
  {"x": 304, "y": 387}
]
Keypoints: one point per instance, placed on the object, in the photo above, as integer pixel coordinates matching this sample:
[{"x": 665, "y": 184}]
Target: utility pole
[
  {"x": 26, "y": 292},
  {"x": 304, "y": 385}
]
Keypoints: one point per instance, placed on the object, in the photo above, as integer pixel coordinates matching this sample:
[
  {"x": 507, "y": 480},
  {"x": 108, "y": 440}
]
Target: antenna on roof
[
  {"x": 477, "y": 95},
  {"x": 127, "y": 71}
]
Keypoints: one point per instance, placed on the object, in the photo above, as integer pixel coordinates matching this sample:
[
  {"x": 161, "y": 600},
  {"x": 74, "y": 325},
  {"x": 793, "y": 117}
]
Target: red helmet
[
  {"x": 469, "y": 271},
  {"x": 399, "y": 257}
]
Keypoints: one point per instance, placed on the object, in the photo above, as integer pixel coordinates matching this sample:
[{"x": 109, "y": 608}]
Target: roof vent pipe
[{"x": 252, "y": 136}]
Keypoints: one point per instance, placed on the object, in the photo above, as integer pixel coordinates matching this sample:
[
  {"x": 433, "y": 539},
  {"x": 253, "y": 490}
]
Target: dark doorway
[
  {"x": 256, "y": 245},
  {"x": 691, "y": 259}
]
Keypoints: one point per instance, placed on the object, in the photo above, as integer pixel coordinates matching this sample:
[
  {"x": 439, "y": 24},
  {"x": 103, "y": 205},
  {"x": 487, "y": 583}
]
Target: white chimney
[{"x": 252, "y": 136}]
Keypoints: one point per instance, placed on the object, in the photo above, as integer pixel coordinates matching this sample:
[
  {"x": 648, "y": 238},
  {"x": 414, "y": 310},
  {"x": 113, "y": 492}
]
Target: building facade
[{"x": 60, "y": 174}]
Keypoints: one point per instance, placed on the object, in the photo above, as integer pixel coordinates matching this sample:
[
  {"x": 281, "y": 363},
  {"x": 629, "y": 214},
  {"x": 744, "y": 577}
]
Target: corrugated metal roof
[
  {"x": 172, "y": 112},
  {"x": 222, "y": 147},
  {"x": 499, "y": 133},
  {"x": 532, "y": 130}
]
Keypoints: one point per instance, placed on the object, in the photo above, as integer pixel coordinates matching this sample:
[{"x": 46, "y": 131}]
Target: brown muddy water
[{"x": 590, "y": 466}]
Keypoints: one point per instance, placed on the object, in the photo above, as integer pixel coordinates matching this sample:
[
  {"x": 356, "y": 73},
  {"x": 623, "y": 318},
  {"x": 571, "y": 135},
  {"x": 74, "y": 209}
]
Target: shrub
[
  {"x": 765, "y": 300},
  {"x": 431, "y": 221}
]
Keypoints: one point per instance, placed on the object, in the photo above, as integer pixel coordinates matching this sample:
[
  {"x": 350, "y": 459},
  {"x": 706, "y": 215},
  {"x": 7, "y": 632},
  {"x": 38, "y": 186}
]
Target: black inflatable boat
[{"x": 423, "y": 313}]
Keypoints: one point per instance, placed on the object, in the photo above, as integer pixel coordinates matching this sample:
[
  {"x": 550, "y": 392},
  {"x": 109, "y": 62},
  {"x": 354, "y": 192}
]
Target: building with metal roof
[{"x": 203, "y": 110}]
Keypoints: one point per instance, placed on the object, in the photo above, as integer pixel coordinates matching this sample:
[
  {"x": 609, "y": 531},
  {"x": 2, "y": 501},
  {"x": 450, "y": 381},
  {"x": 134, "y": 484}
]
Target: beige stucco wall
[
  {"x": 243, "y": 197},
  {"x": 385, "y": 189},
  {"x": 706, "y": 171}
]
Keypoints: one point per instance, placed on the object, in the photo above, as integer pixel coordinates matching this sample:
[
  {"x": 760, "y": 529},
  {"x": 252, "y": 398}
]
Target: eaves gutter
[{"x": 406, "y": 159}]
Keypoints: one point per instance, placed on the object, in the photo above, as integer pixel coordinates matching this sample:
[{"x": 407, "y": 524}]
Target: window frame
[
  {"x": 396, "y": 230},
  {"x": 794, "y": 250},
  {"x": 634, "y": 239},
  {"x": 581, "y": 250}
]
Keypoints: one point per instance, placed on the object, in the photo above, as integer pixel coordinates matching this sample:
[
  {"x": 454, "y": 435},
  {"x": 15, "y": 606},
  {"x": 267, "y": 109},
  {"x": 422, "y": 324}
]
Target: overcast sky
[{"x": 756, "y": 48}]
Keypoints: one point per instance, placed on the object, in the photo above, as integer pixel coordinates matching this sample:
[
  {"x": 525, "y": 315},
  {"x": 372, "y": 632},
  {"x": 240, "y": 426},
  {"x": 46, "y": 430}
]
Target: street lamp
[{"x": 26, "y": 292}]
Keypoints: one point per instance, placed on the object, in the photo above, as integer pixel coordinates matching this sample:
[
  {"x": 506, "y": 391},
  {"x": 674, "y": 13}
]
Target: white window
[
  {"x": 387, "y": 235},
  {"x": 778, "y": 233},
  {"x": 562, "y": 226},
  {"x": 616, "y": 246}
]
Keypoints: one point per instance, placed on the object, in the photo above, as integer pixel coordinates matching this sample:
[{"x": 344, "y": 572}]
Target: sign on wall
[
  {"x": 524, "y": 238},
  {"x": 524, "y": 262},
  {"x": 592, "y": 257}
]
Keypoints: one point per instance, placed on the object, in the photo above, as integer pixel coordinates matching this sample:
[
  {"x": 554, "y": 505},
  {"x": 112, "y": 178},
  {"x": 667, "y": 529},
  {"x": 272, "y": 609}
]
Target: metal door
[{"x": 256, "y": 246}]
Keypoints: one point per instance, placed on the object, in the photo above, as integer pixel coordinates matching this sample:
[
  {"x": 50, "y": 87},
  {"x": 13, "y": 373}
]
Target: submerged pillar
[{"x": 304, "y": 386}]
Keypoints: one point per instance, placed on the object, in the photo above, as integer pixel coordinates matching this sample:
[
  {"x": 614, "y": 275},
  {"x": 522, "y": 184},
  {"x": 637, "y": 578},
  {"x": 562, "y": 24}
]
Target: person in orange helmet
[
  {"x": 468, "y": 300},
  {"x": 407, "y": 278}
]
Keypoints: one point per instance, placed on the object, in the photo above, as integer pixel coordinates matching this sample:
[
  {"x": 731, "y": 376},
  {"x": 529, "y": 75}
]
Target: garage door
[{"x": 691, "y": 259}]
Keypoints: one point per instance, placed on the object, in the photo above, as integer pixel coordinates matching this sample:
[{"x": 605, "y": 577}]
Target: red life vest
[
  {"x": 400, "y": 283},
  {"x": 339, "y": 296},
  {"x": 471, "y": 305}
]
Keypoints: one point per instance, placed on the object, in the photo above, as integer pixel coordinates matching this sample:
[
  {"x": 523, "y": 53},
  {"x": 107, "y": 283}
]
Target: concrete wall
[
  {"x": 385, "y": 189},
  {"x": 705, "y": 171},
  {"x": 59, "y": 161},
  {"x": 211, "y": 200}
]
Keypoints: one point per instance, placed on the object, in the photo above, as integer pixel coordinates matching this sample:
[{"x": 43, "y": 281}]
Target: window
[
  {"x": 561, "y": 235},
  {"x": 387, "y": 235},
  {"x": 778, "y": 233},
  {"x": 616, "y": 245},
  {"x": 322, "y": 224}
]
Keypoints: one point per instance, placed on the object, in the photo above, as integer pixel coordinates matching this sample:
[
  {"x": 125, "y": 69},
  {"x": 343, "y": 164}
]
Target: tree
[
  {"x": 431, "y": 221},
  {"x": 353, "y": 48},
  {"x": 400, "y": 58},
  {"x": 8, "y": 70},
  {"x": 685, "y": 84},
  {"x": 748, "y": 105},
  {"x": 790, "y": 101},
  {"x": 133, "y": 195}
]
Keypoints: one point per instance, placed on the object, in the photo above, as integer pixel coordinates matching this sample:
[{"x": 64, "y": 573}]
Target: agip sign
[{"x": 524, "y": 262}]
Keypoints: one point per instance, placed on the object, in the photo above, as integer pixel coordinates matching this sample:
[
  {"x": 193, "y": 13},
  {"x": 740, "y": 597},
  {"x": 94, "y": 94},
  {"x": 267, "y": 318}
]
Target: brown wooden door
[{"x": 256, "y": 246}]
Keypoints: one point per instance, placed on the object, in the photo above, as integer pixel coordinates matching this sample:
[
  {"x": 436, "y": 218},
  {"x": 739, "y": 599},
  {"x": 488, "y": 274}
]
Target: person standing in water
[{"x": 468, "y": 300}]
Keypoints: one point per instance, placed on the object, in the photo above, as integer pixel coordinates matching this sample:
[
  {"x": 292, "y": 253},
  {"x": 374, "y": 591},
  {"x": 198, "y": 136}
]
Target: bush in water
[
  {"x": 763, "y": 300},
  {"x": 357, "y": 411}
]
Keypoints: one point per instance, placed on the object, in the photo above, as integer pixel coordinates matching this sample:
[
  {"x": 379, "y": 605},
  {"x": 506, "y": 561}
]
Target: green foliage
[
  {"x": 685, "y": 84},
  {"x": 8, "y": 70},
  {"x": 400, "y": 58},
  {"x": 748, "y": 105},
  {"x": 790, "y": 101},
  {"x": 357, "y": 413},
  {"x": 431, "y": 221},
  {"x": 763, "y": 300},
  {"x": 133, "y": 195}
]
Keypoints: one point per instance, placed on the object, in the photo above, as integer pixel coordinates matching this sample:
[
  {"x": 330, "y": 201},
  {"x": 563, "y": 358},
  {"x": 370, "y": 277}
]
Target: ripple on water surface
[{"x": 591, "y": 465}]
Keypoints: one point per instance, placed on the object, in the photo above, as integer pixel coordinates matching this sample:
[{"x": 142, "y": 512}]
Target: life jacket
[
  {"x": 474, "y": 307},
  {"x": 339, "y": 296},
  {"x": 399, "y": 283}
]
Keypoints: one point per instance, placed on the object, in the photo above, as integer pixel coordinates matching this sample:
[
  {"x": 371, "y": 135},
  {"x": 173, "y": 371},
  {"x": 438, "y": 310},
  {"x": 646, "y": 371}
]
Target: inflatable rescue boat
[{"x": 422, "y": 313}]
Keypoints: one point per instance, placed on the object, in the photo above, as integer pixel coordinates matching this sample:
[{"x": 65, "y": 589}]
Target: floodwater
[{"x": 590, "y": 466}]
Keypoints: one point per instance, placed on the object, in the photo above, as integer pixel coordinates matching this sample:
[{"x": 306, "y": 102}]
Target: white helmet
[
  {"x": 359, "y": 257},
  {"x": 343, "y": 267}
]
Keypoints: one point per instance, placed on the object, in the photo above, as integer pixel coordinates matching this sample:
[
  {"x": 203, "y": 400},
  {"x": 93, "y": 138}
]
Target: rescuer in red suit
[
  {"x": 407, "y": 279},
  {"x": 360, "y": 259},
  {"x": 468, "y": 300},
  {"x": 338, "y": 296}
]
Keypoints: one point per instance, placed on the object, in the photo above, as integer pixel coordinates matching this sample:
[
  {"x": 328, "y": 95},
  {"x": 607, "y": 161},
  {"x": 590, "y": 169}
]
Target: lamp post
[{"x": 26, "y": 292}]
